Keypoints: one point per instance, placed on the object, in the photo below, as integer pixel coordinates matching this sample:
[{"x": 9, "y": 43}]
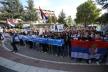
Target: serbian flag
[
  {"x": 85, "y": 49},
  {"x": 43, "y": 15}
]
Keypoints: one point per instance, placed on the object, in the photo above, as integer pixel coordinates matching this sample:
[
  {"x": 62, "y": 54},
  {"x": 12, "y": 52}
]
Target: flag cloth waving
[{"x": 43, "y": 15}]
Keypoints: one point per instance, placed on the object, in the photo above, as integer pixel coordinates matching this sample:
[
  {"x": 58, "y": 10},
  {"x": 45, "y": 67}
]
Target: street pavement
[
  {"x": 4, "y": 69},
  {"x": 12, "y": 66}
]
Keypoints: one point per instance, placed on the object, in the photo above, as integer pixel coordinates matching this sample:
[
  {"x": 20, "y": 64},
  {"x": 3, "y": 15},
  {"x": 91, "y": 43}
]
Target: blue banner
[{"x": 58, "y": 42}]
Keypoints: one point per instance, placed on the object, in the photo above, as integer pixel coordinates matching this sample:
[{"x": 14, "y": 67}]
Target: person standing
[
  {"x": 1, "y": 38},
  {"x": 13, "y": 43}
]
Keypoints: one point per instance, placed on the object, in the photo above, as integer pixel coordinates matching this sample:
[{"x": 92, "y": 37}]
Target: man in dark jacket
[{"x": 13, "y": 43}]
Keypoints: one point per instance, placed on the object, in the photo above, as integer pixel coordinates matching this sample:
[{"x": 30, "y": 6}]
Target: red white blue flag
[{"x": 43, "y": 15}]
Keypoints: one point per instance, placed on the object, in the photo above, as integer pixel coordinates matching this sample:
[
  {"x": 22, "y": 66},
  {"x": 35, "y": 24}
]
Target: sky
[{"x": 68, "y": 6}]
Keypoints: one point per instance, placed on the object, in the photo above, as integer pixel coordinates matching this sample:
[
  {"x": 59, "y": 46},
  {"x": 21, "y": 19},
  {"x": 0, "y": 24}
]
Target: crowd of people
[{"x": 87, "y": 34}]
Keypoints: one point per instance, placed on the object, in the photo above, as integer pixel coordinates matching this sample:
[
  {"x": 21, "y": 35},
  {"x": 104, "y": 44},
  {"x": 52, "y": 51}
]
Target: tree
[
  {"x": 104, "y": 3},
  {"x": 49, "y": 19},
  {"x": 13, "y": 7},
  {"x": 31, "y": 12},
  {"x": 87, "y": 13},
  {"x": 69, "y": 21},
  {"x": 103, "y": 19},
  {"x": 61, "y": 18},
  {"x": 4, "y": 16},
  {"x": 1, "y": 6},
  {"x": 54, "y": 19}
]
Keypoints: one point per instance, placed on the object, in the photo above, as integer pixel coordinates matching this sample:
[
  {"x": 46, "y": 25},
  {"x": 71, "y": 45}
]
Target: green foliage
[
  {"x": 69, "y": 21},
  {"x": 49, "y": 19},
  {"x": 87, "y": 13},
  {"x": 12, "y": 7},
  {"x": 31, "y": 14},
  {"x": 54, "y": 19},
  {"x": 104, "y": 3},
  {"x": 103, "y": 19},
  {"x": 30, "y": 5},
  {"x": 4, "y": 16},
  {"x": 61, "y": 18}
]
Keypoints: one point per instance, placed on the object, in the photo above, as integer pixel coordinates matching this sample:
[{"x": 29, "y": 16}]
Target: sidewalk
[
  {"x": 15, "y": 66},
  {"x": 24, "y": 67},
  {"x": 4, "y": 69}
]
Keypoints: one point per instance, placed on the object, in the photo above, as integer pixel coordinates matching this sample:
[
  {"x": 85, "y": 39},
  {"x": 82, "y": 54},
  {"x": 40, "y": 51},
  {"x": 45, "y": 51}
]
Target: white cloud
[
  {"x": 42, "y": 3},
  {"x": 68, "y": 10},
  {"x": 69, "y": 7}
]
